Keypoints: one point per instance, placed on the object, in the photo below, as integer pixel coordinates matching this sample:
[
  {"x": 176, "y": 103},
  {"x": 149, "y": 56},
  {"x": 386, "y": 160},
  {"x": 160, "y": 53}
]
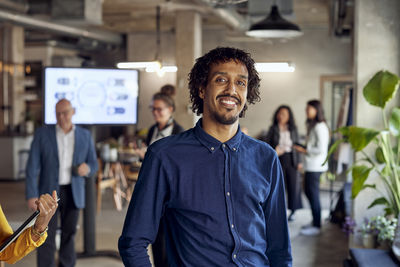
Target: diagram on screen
[{"x": 99, "y": 96}]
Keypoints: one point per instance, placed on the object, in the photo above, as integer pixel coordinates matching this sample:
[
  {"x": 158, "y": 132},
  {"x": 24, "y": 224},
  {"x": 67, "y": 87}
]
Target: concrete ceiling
[
  {"x": 106, "y": 21},
  {"x": 140, "y": 15}
]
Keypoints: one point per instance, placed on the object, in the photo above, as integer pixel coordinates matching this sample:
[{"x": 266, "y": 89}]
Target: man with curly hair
[{"x": 220, "y": 191}]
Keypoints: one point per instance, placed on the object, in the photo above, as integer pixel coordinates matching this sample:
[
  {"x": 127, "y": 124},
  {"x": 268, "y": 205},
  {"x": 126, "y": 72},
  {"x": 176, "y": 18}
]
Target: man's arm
[
  {"x": 278, "y": 242},
  {"x": 91, "y": 159},
  {"x": 144, "y": 212},
  {"x": 32, "y": 169}
]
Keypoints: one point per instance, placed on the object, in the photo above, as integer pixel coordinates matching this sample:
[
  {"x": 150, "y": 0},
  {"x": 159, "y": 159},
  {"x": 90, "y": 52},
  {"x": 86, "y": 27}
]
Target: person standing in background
[
  {"x": 282, "y": 135},
  {"x": 315, "y": 152},
  {"x": 60, "y": 158},
  {"x": 162, "y": 107}
]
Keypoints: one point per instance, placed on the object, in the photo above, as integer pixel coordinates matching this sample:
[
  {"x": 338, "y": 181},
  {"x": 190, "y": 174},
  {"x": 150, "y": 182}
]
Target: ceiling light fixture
[
  {"x": 274, "y": 26},
  {"x": 275, "y": 67}
]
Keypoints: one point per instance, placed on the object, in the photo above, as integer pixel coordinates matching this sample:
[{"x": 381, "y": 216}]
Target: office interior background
[{"x": 343, "y": 43}]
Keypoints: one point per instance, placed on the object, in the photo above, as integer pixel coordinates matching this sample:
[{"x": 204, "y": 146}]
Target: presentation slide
[{"x": 99, "y": 96}]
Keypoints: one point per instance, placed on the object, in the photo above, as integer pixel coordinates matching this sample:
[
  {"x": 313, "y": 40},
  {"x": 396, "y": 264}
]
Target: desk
[{"x": 363, "y": 257}]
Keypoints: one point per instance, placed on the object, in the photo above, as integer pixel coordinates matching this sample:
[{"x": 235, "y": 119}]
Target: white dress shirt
[{"x": 65, "y": 145}]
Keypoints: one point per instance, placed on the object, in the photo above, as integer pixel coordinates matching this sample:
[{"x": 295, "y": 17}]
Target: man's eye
[
  {"x": 220, "y": 80},
  {"x": 241, "y": 83}
]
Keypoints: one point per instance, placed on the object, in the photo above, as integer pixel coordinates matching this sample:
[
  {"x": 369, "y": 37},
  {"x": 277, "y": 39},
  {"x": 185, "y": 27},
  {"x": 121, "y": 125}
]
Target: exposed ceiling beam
[{"x": 33, "y": 23}]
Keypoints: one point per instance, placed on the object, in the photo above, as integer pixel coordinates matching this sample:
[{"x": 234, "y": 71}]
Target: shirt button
[
  {"x": 212, "y": 148},
  {"x": 223, "y": 145},
  {"x": 234, "y": 256},
  {"x": 232, "y": 225},
  {"x": 234, "y": 149},
  {"x": 228, "y": 194}
]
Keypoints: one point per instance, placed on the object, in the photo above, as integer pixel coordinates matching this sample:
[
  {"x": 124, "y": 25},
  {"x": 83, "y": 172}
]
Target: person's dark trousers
[
  {"x": 69, "y": 215},
  {"x": 292, "y": 182},
  {"x": 159, "y": 247},
  {"x": 312, "y": 192}
]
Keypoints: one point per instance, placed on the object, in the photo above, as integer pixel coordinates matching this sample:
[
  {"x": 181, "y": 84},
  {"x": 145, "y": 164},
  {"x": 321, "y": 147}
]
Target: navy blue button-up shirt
[{"x": 223, "y": 203}]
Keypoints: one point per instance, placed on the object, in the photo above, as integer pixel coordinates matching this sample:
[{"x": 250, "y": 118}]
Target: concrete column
[
  {"x": 376, "y": 47},
  {"x": 187, "y": 49},
  {"x": 11, "y": 75}
]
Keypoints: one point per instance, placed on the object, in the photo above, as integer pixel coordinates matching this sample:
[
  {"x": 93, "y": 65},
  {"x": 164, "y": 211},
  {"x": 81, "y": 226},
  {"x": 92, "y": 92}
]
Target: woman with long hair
[
  {"x": 315, "y": 152},
  {"x": 282, "y": 135}
]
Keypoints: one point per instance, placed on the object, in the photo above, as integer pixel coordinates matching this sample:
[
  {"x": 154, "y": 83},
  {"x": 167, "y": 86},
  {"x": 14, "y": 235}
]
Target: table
[{"x": 363, "y": 257}]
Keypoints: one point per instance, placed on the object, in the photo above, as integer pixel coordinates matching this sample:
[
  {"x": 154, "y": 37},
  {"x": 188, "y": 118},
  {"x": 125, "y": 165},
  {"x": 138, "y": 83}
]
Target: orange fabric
[{"x": 20, "y": 247}]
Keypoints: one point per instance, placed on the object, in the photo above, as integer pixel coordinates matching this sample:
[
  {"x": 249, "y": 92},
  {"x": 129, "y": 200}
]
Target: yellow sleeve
[{"x": 20, "y": 247}]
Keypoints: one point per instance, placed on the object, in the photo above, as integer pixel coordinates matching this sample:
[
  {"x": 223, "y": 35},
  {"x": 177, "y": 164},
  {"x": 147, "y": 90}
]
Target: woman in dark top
[
  {"x": 282, "y": 135},
  {"x": 162, "y": 108}
]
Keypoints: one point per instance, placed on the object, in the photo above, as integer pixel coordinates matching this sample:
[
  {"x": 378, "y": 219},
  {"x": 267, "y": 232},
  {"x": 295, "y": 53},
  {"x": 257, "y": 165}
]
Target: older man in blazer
[{"x": 60, "y": 158}]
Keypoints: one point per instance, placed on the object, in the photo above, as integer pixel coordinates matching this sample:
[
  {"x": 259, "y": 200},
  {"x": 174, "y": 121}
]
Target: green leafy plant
[{"x": 386, "y": 160}]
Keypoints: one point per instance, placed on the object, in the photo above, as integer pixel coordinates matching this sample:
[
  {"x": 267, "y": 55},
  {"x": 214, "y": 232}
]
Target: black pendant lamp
[{"x": 274, "y": 26}]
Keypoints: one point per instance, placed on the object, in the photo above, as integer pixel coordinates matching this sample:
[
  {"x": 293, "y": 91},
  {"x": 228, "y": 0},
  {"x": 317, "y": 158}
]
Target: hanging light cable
[{"x": 156, "y": 65}]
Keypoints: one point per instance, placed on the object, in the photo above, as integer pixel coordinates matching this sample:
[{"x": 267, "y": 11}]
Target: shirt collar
[
  {"x": 59, "y": 130},
  {"x": 213, "y": 144}
]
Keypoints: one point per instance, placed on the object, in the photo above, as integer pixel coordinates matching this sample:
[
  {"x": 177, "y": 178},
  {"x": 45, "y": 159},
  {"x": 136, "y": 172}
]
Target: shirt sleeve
[
  {"x": 144, "y": 212},
  {"x": 20, "y": 247},
  {"x": 322, "y": 140},
  {"x": 278, "y": 241}
]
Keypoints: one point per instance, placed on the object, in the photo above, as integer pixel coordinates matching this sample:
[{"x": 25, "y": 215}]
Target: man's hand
[
  {"x": 83, "y": 169},
  {"x": 32, "y": 204}
]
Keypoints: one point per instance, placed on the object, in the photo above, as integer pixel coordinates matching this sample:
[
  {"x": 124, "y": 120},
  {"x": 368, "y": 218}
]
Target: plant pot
[
  {"x": 368, "y": 240},
  {"x": 385, "y": 244}
]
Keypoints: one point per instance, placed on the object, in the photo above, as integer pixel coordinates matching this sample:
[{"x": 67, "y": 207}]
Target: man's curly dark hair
[{"x": 198, "y": 76}]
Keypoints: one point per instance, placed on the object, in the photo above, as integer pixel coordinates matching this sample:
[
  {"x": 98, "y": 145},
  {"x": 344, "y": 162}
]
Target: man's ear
[{"x": 201, "y": 92}]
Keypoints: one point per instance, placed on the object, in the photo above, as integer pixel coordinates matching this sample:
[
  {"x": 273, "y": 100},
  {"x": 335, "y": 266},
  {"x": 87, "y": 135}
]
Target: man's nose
[{"x": 231, "y": 88}]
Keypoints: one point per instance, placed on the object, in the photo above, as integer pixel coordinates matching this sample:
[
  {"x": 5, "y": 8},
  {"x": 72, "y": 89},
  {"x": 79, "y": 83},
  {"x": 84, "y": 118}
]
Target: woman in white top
[{"x": 315, "y": 154}]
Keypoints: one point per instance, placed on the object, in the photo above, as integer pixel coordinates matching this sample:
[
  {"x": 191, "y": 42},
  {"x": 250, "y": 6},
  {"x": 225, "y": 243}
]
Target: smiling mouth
[{"x": 228, "y": 101}]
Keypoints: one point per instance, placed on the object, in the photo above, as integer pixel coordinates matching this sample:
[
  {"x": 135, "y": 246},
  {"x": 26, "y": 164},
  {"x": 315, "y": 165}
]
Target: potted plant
[
  {"x": 379, "y": 230},
  {"x": 386, "y": 227},
  {"x": 368, "y": 233},
  {"x": 378, "y": 92}
]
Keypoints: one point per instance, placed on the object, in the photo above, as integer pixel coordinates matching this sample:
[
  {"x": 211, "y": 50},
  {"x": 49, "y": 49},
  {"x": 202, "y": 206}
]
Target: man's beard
[{"x": 225, "y": 119}]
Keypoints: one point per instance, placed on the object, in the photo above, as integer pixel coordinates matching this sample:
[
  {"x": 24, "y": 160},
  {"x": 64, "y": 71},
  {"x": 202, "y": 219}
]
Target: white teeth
[{"x": 228, "y": 102}]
